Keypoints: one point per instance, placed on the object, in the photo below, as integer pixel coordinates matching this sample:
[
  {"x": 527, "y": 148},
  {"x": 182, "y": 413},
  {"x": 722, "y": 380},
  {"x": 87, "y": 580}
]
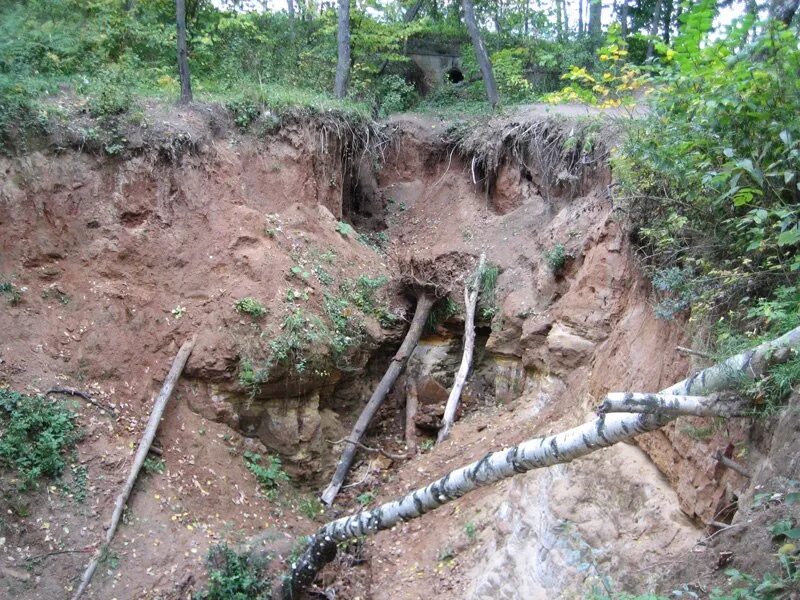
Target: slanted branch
[
  {"x": 471, "y": 289},
  {"x": 424, "y": 304},
  {"x": 604, "y": 431},
  {"x": 141, "y": 453}
]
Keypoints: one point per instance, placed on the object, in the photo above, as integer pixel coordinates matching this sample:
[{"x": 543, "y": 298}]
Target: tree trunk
[
  {"x": 343, "y": 39},
  {"x": 183, "y": 60},
  {"x": 783, "y": 10},
  {"x": 698, "y": 406},
  {"x": 424, "y": 304},
  {"x": 580, "y": 17},
  {"x": 527, "y": 16},
  {"x": 667, "y": 7},
  {"x": 480, "y": 51},
  {"x": 290, "y": 8},
  {"x": 411, "y": 415},
  {"x": 623, "y": 18},
  {"x": 654, "y": 29},
  {"x": 565, "y": 447},
  {"x": 595, "y": 22},
  {"x": 471, "y": 289},
  {"x": 559, "y": 21},
  {"x": 141, "y": 453}
]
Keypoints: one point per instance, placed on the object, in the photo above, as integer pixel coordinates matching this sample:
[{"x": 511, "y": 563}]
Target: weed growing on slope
[
  {"x": 36, "y": 433},
  {"x": 250, "y": 306},
  {"x": 269, "y": 475},
  {"x": 487, "y": 297},
  {"x": 233, "y": 576},
  {"x": 12, "y": 293},
  {"x": 556, "y": 259}
]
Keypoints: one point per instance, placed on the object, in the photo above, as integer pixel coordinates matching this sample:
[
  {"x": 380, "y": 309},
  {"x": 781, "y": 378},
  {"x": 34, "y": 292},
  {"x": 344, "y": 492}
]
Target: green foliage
[
  {"x": 556, "y": 259},
  {"x": 487, "y": 296},
  {"x": 250, "y": 306},
  {"x": 36, "y": 432},
  {"x": 345, "y": 229},
  {"x": 154, "y": 465},
  {"x": 470, "y": 530},
  {"x": 12, "y": 293},
  {"x": 235, "y": 576},
  {"x": 311, "y": 507},
  {"x": 710, "y": 177},
  {"x": 441, "y": 312},
  {"x": 365, "y": 498},
  {"x": 269, "y": 475}
]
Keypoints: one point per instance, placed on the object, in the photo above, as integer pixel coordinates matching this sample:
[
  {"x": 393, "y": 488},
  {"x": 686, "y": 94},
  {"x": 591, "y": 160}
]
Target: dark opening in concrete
[{"x": 455, "y": 75}]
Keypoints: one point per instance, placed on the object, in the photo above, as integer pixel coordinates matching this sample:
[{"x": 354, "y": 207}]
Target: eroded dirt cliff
[{"x": 120, "y": 260}]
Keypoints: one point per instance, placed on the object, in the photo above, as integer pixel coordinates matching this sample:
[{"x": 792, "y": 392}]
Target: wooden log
[
  {"x": 411, "y": 416},
  {"x": 471, "y": 289},
  {"x": 141, "y": 453},
  {"x": 424, "y": 304}
]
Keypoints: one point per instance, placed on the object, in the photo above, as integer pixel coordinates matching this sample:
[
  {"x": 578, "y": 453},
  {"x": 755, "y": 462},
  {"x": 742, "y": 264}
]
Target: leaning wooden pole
[
  {"x": 471, "y": 290},
  {"x": 141, "y": 453},
  {"x": 604, "y": 431},
  {"x": 424, "y": 304}
]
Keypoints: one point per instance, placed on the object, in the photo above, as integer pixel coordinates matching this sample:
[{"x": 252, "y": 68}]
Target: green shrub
[
  {"x": 487, "y": 296},
  {"x": 709, "y": 176},
  {"x": 269, "y": 475},
  {"x": 556, "y": 259},
  {"x": 233, "y": 576},
  {"x": 12, "y": 293},
  {"x": 250, "y": 306},
  {"x": 36, "y": 432}
]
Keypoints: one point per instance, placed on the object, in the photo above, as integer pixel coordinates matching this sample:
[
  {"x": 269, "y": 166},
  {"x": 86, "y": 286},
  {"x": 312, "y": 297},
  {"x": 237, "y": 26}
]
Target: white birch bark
[
  {"x": 471, "y": 289},
  {"x": 564, "y": 447},
  {"x": 667, "y": 404}
]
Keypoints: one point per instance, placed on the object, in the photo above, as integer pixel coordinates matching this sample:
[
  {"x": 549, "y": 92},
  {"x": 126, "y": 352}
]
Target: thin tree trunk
[
  {"x": 290, "y": 8},
  {"x": 183, "y": 59},
  {"x": 667, "y": 10},
  {"x": 565, "y": 447},
  {"x": 411, "y": 416},
  {"x": 580, "y": 17},
  {"x": 783, "y": 10},
  {"x": 623, "y": 18},
  {"x": 527, "y": 16},
  {"x": 654, "y": 29},
  {"x": 424, "y": 304},
  {"x": 480, "y": 51},
  {"x": 595, "y": 22},
  {"x": 343, "y": 40},
  {"x": 141, "y": 453},
  {"x": 471, "y": 289}
]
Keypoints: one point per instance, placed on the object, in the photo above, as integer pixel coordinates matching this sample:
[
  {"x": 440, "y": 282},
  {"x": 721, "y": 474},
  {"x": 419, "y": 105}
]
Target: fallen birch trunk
[
  {"x": 424, "y": 304},
  {"x": 471, "y": 289},
  {"x": 667, "y": 404},
  {"x": 141, "y": 453},
  {"x": 601, "y": 432}
]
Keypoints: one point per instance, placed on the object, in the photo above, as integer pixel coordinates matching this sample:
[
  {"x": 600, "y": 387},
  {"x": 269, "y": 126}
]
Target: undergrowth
[
  {"x": 35, "y": 433},
  {"x": 309, "y": 343},
  {"x": 269, "y": 473},
  {"x": 233, "y": 576},
  {"x": 487, "y": 295}
]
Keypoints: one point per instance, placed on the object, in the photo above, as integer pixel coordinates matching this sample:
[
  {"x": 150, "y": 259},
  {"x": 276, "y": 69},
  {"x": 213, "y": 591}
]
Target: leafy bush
[
  {"x": 487, "y": 297},
  {"x": 250, "y": 306},
  {"x": 710, "y": 177},
  {"x": 556, "y": 259},
  {"x": 36, "y": 432},
  {"x": 12, "y": 293},
  {"x": 235, "y": 576},
  {"x": 269, "y": 475}
]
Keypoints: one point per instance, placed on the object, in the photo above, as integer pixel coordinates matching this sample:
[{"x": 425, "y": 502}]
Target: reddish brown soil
[{"x": 128, "y": 242}]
